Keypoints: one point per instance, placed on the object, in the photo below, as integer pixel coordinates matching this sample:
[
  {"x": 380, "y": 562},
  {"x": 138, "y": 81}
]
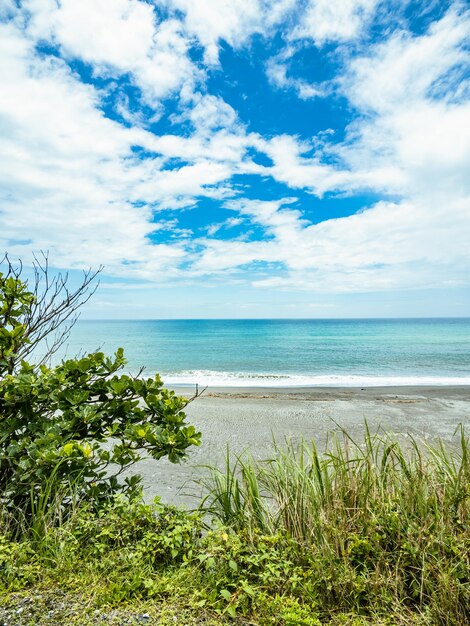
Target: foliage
[
  {"x": 233, "y": 495},
  {"x": 73, "y": 429},
  {"x": 158, "y": 534},
  {"x": 385, "y": 547},
  {"x": 381, "y": 525}
]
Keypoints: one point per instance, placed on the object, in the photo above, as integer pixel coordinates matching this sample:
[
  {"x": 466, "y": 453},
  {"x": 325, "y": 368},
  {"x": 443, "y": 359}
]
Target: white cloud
[
  {"x": 212, "y": 20},
  {"x": 207, "y": 113},
  {"x": 404, "y": 67},
  {"x": 278, "y": 71},
  {"x": 166, "y": 187},
  {"x": 109, "y": 32},
  {"x": 407, "y": 140},
  {"x": 73, "y": 184},
  {"x": 326, "y": 21},
  {"x": 320, "y": 21},
  {"x": 118, "y": 37},
  {"x": 389, "y": 246},
  {"x": 404, "y": 135},
  {"x": 404, "y": 124},
  {"x": 294, "y": 165},
  {"x": 233, "y": 21},
  {"x": 70, "y": 182},
  {"x": 7, "y": 9},
  {"x": 230, "y": 222},
  {"x": 236, "y": 21}
]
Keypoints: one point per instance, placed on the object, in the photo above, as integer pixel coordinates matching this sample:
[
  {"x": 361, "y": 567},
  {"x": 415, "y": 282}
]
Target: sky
[{"x": 241, "y": 158}]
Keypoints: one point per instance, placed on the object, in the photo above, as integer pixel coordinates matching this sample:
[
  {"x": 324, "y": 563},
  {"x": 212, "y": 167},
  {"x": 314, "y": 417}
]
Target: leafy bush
[
  {"x": 72, "y": 430},
  {"x": 153, "y": 533},
  {"x": 19, "y": 564}
]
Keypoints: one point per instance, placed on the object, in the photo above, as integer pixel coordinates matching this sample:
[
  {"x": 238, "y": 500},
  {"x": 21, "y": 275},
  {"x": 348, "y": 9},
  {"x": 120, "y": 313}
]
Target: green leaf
[
  {"x": 68, "y": 449},
  {"x": 226, "y": 594},
  {"x": 247, "y": 589}
]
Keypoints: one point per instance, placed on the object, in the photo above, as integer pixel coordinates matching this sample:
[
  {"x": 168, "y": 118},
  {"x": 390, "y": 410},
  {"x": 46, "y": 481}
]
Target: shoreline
[
  {"x": 234, "y": 380},
  {"x": 315, "y": 392}
]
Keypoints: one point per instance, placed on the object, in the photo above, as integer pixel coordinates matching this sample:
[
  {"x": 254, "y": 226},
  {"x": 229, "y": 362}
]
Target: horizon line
[{"x": 269, "y": 319}]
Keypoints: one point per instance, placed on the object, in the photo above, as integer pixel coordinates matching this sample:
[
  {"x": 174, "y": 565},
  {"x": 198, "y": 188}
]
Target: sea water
[{"x": 372, "y": 352}]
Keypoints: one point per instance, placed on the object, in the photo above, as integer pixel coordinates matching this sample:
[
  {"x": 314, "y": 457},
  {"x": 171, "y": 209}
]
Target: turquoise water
[{"x": 287, "y": 352}]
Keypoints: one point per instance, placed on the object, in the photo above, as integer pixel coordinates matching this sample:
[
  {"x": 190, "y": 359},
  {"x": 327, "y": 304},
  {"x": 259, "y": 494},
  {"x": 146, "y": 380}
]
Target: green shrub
[
  {"x": 70, "y": 431},
  {"x": 55, "y": 422},
  {"x": 19, "y": 564},
  {"x": 154, "y": 533}
]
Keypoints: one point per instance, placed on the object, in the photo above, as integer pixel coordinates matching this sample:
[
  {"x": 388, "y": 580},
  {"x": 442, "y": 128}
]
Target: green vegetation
[
  {"x": 368, "y": 533},
  {"x": 377, "y": 528},
  {"x": 55, "y": 421}
]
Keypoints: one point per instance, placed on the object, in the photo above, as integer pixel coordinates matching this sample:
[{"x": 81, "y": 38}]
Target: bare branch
[
  {"x": 196, "y": 395},
  {"x": 54, "y": 310}
]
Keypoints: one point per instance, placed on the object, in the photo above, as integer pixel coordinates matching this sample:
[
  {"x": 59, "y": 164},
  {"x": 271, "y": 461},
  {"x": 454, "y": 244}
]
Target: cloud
[
  {"x": 302, "y": 165},
  {"x": 408, "y": 134},
  {"x": 207, "y": 113},
  {"x": 324, "y": 21},
  {"x": 409, "y": 139},
  {"x": 389, "y": 246},
  {"x": 230, "y": 222},
  {"x": 118, "y": 37},
  {"x": 405, "y": 67},
  {"x": 237, "y": 21},
  {"x": 70, "y": 178},
  {"x": 407, "y": 122},
  {"x": 278, "y": 71},
  {"x": 234, "y": 22}
]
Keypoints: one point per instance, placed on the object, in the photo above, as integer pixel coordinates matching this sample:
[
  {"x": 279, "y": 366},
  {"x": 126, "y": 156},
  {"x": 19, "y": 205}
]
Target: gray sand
[{"x": 247, "y": 419}]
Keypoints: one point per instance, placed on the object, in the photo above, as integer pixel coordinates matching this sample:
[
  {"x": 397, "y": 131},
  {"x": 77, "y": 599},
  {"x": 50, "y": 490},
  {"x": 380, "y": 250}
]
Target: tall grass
[
  {"x": 394, "y": 518},
  {"x": 234, "y": 494},
  {"x": 298, "y": 490},
  {"x": 50, "y": 504}
]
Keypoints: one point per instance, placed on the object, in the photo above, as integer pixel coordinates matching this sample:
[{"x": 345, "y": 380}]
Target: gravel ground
[{"x": 55, "y": 607}]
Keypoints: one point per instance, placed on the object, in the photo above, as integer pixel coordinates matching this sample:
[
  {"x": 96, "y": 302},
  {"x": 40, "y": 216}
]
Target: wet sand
[{"x": 249, "y": 418}]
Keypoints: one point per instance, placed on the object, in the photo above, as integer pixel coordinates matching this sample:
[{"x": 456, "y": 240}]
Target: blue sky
[{"x": 241, "y": 158}]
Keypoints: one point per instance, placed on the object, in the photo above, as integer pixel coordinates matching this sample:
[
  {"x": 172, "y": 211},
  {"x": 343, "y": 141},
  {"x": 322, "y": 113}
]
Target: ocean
[{"x": 365, "y": 352}]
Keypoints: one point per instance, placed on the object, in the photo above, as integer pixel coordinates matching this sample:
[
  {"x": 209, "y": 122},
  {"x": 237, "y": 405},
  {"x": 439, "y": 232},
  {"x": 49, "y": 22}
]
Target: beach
[{"x": 251, "y": 418}]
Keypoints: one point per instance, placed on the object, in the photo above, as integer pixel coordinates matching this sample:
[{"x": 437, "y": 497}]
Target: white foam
[{"x": 241, "y": 379}]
